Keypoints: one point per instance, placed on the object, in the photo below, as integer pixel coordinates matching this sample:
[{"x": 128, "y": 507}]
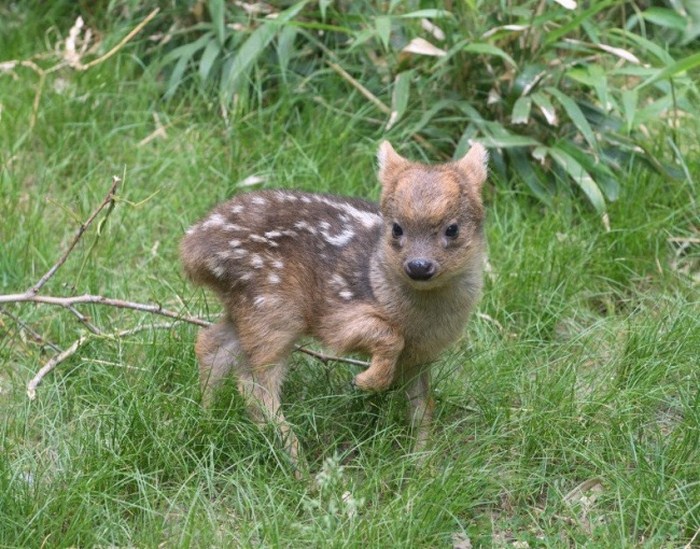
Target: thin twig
[
  {"x": 380, "y": 105},
  {"x": 121, "y": 44},
  {"x": 51, "y": 364},
  {"x": 70, "y": 301},
  {"x": 31, "y": 331},
  {"x": 70, "y": 351},
  {"x": 108, "y": 201},
  {"x": 330, "y": 358}
]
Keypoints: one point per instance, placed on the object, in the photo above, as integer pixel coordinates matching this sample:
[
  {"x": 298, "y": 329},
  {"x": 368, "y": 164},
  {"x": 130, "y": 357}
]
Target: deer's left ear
[{"x": 475, "y": 165}]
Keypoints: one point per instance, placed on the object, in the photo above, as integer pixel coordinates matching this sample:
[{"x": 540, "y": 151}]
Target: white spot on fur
[
  {"x": 346, "y": 294},
  {"x": 366, "y": 218},
  {"x": 256, "y": 261},
  {"x": 277, "y": 264},
  {"x": 234, "y": 243},
  {"x": 257, "y": 238},
  {"x": 338, "y": 281},
  {"x": 305, "y": 199},
  {"x": 304, "y": 226},
  {"x": 239, "y": 253},
  {"x": 232, "y": 227},
  {"x": 215, "y": 220},
  {"x": 237, "y": 208},
  {"x": 340, "y": 239},
  {"x": 272, "y": 278},
  {"x": 290, "y": 233},
  {"x": 273, "y": 234},
  {"x": 258, "y": 200},
  {"x": 246, "y": 277},
  {"x": 259, "y": 301},
  {"x": 217, "y": 267},
  {"x": 191, "y": 230},
  {"x": 285, "y": 196}
]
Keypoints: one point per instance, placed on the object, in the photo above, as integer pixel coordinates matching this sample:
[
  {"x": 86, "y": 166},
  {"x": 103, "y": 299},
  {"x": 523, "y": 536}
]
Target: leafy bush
[{"x": 561, "y": 94}]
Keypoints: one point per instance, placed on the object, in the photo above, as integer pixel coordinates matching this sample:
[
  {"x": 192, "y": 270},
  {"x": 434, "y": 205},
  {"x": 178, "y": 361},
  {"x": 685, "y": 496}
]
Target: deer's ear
[
  {"x": 475, "y": 165},
  {"x": 389, "y": 161}
]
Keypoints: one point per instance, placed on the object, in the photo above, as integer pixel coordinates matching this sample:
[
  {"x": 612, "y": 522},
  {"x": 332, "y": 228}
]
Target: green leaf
[
  {"x": 382, "y": 25},
  {"x": 555, "y": 34},
  {"x": 629, "y": 107},
  {"x": 680, "y": 66},
  {"x": 399, "y": 97},
  {"x": 665, "y": 17},
  {"x": 576, "y": 116},
  {"x": 545, "y": 105},
  {"x": 582, "y": 178},
  {"x": 211, "y": 52},
  {"x": 217, "y": 12},
  {"x": 508, "y": 140},
  {"x": 523, "y": 167},
  {"x": 176, "y": 76},
  {"x": 285, "y": 46},
  {"x": 323, "y": 6},
  {"x": 427, "y": 14},
  {"x": 489, "y": 49},
  {"x": 187, "y": 50},
  {"x": 521, "y": 110},
  {"x": 237, "y": 68}
]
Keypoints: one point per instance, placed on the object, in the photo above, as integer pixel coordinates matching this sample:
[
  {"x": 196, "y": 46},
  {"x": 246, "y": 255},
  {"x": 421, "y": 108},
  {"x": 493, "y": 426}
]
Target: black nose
[{"x": 420, "y": 269}]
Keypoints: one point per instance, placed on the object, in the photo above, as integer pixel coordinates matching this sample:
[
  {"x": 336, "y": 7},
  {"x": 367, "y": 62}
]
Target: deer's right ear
[{"x": 389, "y": 161}]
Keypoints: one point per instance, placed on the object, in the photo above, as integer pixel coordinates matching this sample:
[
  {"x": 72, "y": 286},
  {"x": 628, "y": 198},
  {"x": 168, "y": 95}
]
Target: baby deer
[{"x": 396, "y": 280}]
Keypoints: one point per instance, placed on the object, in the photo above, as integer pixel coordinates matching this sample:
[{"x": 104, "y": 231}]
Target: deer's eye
[
  {"x": 396, "y": 230},
  {"x": 452, "y": 231}
]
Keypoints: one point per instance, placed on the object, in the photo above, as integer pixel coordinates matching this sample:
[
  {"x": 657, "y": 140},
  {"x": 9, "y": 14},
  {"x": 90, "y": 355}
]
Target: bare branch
[
  {"x": 51, "y": 364},
  {"x": 31, "y": 331},
  {"x": 330, "y": 358},
  {"x": 122, "y": 42},
  {"x": 70, "y": 351},
  {"x": 108, "y": 201}
]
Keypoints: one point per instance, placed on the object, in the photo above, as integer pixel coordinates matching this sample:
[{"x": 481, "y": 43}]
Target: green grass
[{"x": 581, "y": 364}]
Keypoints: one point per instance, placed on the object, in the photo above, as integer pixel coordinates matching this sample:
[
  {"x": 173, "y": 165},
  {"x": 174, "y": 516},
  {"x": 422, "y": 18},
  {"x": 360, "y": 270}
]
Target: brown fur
[{"x": 286, "y": 264}]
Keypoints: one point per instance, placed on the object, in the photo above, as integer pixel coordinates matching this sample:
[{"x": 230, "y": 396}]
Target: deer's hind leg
[
  {"x": 268, "y": 345},
  {"x": 218, "y": 352}
]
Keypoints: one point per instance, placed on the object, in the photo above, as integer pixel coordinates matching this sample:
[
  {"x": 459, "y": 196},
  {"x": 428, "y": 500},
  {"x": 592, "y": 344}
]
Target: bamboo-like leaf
[
  {"x": 217, "y": 14},
  {"x": 382, "y": 25},
  {"x": 237, "y": 67},
  {"x": 427, "y": 13},
  {"x": 211, "y": 52},
  {"x": 524, "y": 169},
  {"x": 629, "y": 107},
  {"x": 576, "y": 116},
  {"x": 545, "y": 105},
  {"x": 575, "y": 23},
  {"x": 489, "y": 49},
  {"x": 285, "y": 46},
  {"x": 421, "y": 46},
  {"x": 680, "y": 66},
  {"x": 521, "y": 110},
  {"x": 580, "y": 176},
  {"x": 323, "y": 6},
  {"x": 399, "y": 97},
  {"x": 506, "y": 141},
  {"x": 665, "y": 17}
]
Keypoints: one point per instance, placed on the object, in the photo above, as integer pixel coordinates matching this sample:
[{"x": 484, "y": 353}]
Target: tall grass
[{"x": 568, "y": 415}]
